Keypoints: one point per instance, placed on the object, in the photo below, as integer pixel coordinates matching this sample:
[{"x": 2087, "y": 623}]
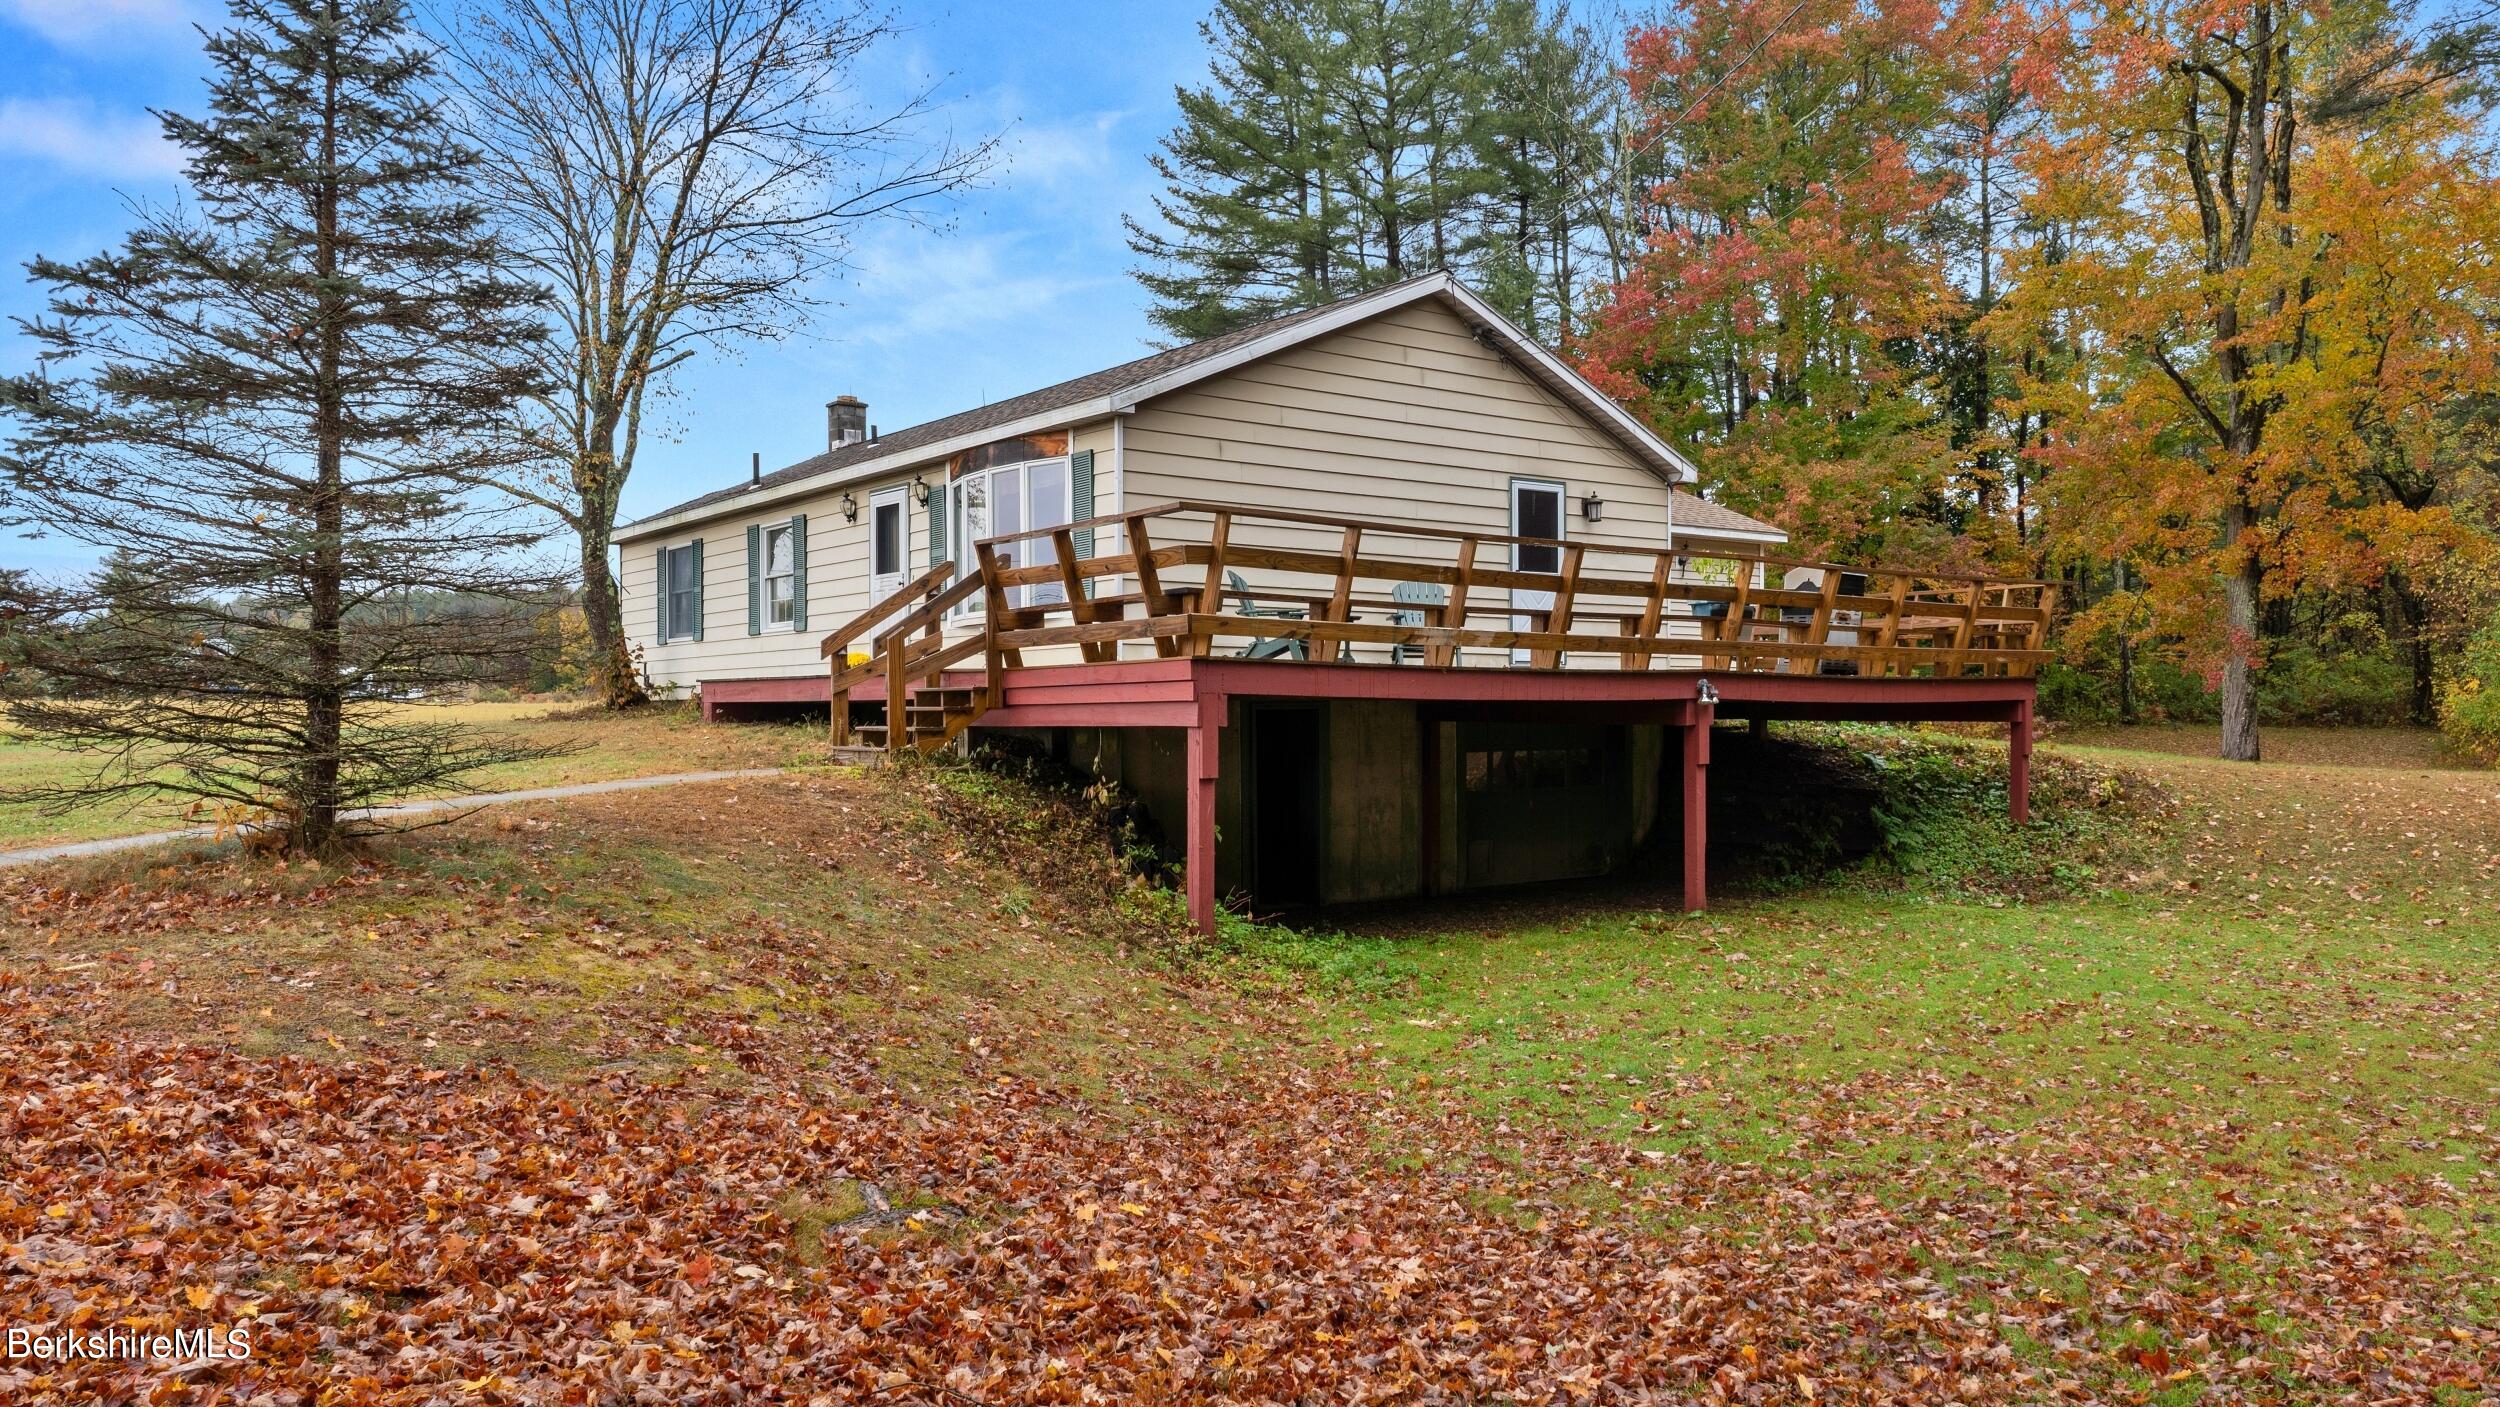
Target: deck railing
[
  {"x": 1199, "y": 579},
  {"x": 1602, "y": 606}
]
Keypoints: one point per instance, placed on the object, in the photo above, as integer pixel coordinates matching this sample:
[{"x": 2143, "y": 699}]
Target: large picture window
[{"x": 1010, "y": 498}]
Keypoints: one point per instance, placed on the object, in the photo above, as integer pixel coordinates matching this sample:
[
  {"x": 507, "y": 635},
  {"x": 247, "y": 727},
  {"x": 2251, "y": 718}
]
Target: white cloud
[
  {"x": 80, "y": 139},
  {"x": 926, "y": 286},
  {"x": 90, "y": 23},
  {"x": 1055, "y": 153}
]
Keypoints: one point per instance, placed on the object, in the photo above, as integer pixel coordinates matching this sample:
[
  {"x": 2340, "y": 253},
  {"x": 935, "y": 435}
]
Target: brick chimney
[{"x": 846, "y": 421}]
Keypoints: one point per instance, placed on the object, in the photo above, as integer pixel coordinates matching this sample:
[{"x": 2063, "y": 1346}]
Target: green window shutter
[
  {"x": 662, "y": 579},
  {"x": 1081, "y": 498},
  {"x": 938, "y": 499},
  {"x": 798, "y": 571},
  {"x": 695, "y": 549},
  {"x": 1081, "y": 504},
  {"x": 755, "y": 579}
]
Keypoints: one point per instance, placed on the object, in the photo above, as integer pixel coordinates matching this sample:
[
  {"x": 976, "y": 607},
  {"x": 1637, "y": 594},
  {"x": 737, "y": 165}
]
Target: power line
[
  {"x": 1582, "y": 187},
  {"x": 1734, "y": 69}
]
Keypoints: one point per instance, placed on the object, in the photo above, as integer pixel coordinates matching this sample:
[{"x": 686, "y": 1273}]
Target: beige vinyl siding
[
  {"x": 1404, "y": 419},
  {"x": 837, "y": 589},
  {"x": 837, "y": 576}
]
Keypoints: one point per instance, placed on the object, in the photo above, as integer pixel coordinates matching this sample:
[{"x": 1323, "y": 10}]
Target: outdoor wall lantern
[
  {"x": 920, "y": 490},
  {"x": 850, "y": 508},
  {"x": 1593, "y": 508}
]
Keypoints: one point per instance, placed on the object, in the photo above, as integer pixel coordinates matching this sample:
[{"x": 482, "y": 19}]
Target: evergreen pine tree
[
  {"x": 1544, "y": 146},
  {"x": 1343, "y": 144},
  {"x": 1410, "y": 94},
  {"x": 266, "y": 412},
  {"x": 1254, "y": 219}
]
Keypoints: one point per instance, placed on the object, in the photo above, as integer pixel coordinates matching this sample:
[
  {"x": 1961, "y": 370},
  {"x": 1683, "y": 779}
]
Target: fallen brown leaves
[
  {"x": 399, "y": 1234},
  {"x": 1286, "y": 1228}
]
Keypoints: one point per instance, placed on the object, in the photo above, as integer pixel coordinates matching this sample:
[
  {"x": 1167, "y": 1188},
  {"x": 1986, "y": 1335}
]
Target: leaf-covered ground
[{"x": 845, "y": 1090}]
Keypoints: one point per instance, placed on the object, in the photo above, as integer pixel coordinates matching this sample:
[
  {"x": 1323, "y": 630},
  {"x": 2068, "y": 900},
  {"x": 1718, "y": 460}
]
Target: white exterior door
[
  {"x": 1536, "y": 510},
  {"x": 889, "y": 542}
]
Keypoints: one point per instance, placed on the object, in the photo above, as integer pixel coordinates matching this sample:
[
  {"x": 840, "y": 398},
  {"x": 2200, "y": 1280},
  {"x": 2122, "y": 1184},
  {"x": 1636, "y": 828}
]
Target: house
[
  {"x": 1413, "y": 403},
  {"x": 1455, "y": 537}
]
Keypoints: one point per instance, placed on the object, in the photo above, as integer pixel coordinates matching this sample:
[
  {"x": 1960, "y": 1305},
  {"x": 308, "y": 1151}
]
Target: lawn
[
  {"x": 2382, "y": 748},
  {"x": 2202, "y": 1115},
  {"x": 595, "y": 748},
  {"x": 890, "y": 1086}
]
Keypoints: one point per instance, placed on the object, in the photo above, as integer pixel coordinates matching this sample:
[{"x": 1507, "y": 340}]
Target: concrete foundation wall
[{"x": 1374, "y": 798}]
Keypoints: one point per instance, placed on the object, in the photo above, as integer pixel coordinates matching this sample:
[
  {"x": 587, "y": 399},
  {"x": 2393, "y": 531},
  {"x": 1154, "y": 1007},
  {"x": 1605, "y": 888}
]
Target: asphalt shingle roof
[
  {"x": 1066, "y": 393},
  {"x": 1701, "y": 515},
  {"x": 1694, "y": 513}
]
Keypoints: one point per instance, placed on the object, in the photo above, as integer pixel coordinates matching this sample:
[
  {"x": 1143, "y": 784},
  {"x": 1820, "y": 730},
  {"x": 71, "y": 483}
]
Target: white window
[
  {"x": 1011, "y": 498},
  {"x": 781, "y": 573},
  {"x": 685, "y": 592}
]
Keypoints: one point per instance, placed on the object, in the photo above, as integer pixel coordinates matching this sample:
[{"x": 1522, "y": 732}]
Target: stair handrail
[
  {"x": 867, "y": 620},
  {"x": 932, "y": 611}
]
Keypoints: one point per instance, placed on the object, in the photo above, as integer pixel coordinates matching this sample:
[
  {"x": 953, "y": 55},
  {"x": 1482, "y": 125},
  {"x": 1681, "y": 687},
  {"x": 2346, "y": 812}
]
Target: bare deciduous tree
[{"x": 683, "y": 173}]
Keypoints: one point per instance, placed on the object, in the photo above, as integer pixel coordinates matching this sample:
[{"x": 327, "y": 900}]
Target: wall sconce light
[
  {"x": 920, "y": 490},
  {"x": 1593, "y": 508},
  {"x": 850, "y": 508}
]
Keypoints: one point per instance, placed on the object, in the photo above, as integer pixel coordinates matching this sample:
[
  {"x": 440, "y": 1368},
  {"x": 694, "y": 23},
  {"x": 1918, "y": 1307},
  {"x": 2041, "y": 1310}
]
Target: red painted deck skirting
[
  {"x": 788, "y": 689},
  {"x": 1135, "y": 682}
]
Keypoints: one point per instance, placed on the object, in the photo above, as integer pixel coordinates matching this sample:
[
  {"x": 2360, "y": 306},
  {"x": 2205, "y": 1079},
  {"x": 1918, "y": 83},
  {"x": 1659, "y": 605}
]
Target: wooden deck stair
[
  {"x": 932, "y": 718},
  {"x": 908, "y": 655}
]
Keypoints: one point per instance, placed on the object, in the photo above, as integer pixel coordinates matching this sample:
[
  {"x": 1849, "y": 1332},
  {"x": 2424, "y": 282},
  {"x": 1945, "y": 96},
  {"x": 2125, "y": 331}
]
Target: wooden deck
[{"x": 1179, "y": 608}]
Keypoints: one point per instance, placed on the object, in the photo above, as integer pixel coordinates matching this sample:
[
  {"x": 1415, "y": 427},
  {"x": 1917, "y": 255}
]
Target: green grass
[
  {"x": 2397, "y": 748},
  {"x": 595, "y": 747},
  {"x": 1724, "y": 1033},
  {"x": 2283, "y": 1025}
]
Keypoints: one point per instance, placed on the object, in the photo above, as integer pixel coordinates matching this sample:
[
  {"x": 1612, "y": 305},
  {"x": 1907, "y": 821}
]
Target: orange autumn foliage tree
[
  {"x": 1787, "y": 273},
  {"x": 2273, "y": 291}
]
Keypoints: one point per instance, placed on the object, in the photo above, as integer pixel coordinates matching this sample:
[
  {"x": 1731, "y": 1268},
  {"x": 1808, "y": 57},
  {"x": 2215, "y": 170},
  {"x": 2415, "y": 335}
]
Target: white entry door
[
  {"x": 889, "y": 542},
  {"x": 1536, "y": 510}
]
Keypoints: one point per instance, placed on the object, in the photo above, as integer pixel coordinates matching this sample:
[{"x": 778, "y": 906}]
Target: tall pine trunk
[{"x": 325, "y": 701}]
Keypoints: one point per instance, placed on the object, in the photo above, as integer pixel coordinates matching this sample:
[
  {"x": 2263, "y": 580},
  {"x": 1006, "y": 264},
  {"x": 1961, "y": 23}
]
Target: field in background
[
  {"x": 2329, "y": 747},
  {"x": 602, "y": 747}
]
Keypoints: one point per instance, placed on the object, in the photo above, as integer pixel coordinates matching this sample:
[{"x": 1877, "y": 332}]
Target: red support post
[
  {"x": 1206, "y": 750},
  {"x": 1697, "y": 807},
  {"x": 2018, "y": 764}
]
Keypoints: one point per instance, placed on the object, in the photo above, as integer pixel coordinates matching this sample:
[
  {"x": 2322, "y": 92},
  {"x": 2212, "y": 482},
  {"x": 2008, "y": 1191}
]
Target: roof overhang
[
  {"x": 1504, "y": 336},
  {"x": 1683, "y": 534},
  {"x": 867, "y": 469},
  {"x": 1490, "y": 326}
]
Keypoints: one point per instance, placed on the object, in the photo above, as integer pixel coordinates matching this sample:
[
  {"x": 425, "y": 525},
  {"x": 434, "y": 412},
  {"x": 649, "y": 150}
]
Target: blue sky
[{"x": 1031, "y": 284}]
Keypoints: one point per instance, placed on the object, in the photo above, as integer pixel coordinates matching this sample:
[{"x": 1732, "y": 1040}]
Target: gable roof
[{"x": 1118, "y": 388}]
